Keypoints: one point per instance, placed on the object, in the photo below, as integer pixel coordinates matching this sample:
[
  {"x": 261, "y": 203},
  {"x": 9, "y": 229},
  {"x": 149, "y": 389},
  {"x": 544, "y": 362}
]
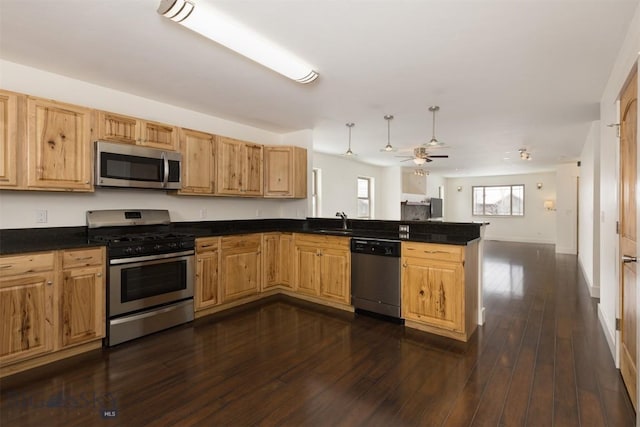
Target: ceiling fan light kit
[
  {"x": 524, "y": 154},
  {"x": 210, "y": 23}
]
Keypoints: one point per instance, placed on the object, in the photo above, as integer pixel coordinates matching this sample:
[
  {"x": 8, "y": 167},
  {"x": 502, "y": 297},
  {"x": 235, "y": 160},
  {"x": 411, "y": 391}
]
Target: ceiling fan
[{"x": 421, "y": 154}]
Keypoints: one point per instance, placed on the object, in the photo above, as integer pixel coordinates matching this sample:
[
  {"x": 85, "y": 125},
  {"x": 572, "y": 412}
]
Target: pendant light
[
  {"x": 434, "y": 142},
  {"x": 388, "y": 148},
  {"x": 349, "y": 152}
]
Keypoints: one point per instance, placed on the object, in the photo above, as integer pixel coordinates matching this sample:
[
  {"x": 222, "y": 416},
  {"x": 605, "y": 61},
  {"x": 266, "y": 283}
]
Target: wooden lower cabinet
[
  {"x": 440, "y": 288},
  {"x": 277, "y": 250},
  {"x": 52, "y": 305},
  {"x": 82, "y": 296},
  {"x": 323, "y": 267},
  {"x": 240, "y": 266},
  {"x": 207, "y": 288}
]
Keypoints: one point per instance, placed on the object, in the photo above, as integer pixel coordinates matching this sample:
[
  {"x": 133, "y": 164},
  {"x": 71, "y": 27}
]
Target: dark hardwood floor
[{"x": 541, "y": 359}]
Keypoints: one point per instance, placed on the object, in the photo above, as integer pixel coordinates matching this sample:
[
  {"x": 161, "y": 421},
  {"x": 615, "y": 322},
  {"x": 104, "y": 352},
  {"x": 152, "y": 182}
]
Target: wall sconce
[
  {"x": 549, "y": 205},
  {"x": 459, "y": 188},
  {"x": 539, "y": 186}
]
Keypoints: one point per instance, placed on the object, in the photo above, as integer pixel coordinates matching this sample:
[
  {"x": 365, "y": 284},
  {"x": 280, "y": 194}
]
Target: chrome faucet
[{"x": 344, "y": 219}]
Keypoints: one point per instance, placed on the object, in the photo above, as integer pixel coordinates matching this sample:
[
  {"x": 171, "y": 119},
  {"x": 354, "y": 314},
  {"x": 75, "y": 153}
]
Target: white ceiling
[{"x": 506, "y": 74}]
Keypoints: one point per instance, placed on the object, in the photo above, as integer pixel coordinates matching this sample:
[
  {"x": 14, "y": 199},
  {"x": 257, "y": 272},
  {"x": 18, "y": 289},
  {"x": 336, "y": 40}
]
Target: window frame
[
  {"x": 369, "y": 198},
  {"x": 484, "y": 210}
]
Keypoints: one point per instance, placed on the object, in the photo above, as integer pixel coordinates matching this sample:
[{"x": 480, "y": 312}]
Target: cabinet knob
[
  {"x": 99, "y": 274},
  {"x": 49, "y": 283},
  {"x": 199, "y": 260},
  {"x": 404, "y": 265}
]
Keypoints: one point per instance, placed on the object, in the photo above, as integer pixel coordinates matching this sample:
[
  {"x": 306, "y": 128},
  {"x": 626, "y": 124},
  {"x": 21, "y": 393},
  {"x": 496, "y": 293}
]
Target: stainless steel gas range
[{"x": 150, "y": 274}]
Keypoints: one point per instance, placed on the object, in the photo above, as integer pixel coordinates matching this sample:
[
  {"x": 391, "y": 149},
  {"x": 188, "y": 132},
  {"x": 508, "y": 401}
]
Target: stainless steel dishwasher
[{"x": 375, "y": 276}]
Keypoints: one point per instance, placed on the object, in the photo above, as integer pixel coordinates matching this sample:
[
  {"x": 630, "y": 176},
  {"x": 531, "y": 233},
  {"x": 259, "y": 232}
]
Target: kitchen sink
[{"x": 335, "y": 231}]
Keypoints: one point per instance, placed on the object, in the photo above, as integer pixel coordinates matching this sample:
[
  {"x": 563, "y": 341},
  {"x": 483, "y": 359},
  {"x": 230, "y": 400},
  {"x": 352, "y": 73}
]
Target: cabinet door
[
  {"x": 307, "y": 270},
  {"x": 285, "y": 257},
  {"x": 59, "y": 144},
  {"x": 241, "y": 266},
  {"x": 26, "y": 316},
  {"x": 229, "y": 166},
  {"x": 198, "y": 166},
  {"x": 157, "y": 135},
  {"x": 8, "y": 138},
  {"x": 432, "y": 292},
  {"x": 82, "y": 302},
  {"x": 278, "y": 171},
  {"x": 253, "y": 175},
  {"x": 116, "y": 127},
  {"x": 335, "y": 275},
  {"x": 207, "y": 268},
  {"x": 271, "y": 252}
]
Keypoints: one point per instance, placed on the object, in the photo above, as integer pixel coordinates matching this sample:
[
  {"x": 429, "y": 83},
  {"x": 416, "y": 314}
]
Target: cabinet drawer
[
  {"x": 433, "y": 251},
  {"x": 324, "y": 241},
  {"x": 207, "y": 244},
  {"x": 82, "y": 258},
  {"x": 243, "y": 241},
  {"x": 23, "y": 264}
]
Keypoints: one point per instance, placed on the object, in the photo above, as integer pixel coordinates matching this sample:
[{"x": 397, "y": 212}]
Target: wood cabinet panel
[
  {"x": 59, "y": 146},
  {"x": 12, "y": 265},
  {"x": 117, "y": 128},
  {"x": 433, "y": 251},
  {"x": 277, "y": 250},
  {"x": 26, "y": 316},
  {"x": 82, "y": 305},
  {"x": 82, "y": 257},
  {"x": 335, "y": 275},
  {"x": 132, "y": 130},
  {"x": 10, "y": 138},
  {"x": 198, "y": 162},
  {"x": 207, "y": 290},
  {"x": 432, "y": 293},
  {"x": 285, "y": 171},
  {"x": 238, "y": 167},
  {"x": 307, "y": 269},
  {"x": 241, "y": 266}
]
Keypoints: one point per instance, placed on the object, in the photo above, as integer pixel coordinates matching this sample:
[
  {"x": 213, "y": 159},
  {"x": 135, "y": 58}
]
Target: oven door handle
[
  {"x": 150, "y": 258},
  {"x": 165, "y": 161}
]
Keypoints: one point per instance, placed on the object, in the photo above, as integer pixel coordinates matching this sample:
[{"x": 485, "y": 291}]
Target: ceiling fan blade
[{"x": 439, "y": 156}]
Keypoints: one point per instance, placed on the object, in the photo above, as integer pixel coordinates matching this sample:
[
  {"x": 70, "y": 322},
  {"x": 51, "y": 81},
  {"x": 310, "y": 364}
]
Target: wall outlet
[
  {"x": 203, "y": 213},
  {"x": 404, "y": 228},
  {"x": 41, "y": 216}
]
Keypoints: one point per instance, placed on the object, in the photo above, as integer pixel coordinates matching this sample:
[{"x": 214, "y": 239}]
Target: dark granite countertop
[{"x": 13, "y": 241}]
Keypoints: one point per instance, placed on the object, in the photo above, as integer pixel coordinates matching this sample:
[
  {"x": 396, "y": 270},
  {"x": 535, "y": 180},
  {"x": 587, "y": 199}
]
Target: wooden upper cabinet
[
  {"x": 239, "y": 167},
  {"x": 285, "y": 172},
  {"x": 198, "y": 162},
  {"x": 11, "y": 139},
  {"x": 131, "y": 130},
  {"x": 59, "y": 145}
]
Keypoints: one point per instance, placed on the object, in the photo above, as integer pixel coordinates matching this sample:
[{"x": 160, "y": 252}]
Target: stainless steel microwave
[{"x": 131, "y": 166}]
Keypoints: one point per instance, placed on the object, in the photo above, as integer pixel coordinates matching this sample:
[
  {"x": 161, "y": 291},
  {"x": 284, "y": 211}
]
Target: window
[
  {"x": 499, "y": 200},
  {"x": 315, "y": 192},
  {"x": 364, "y": 197}
]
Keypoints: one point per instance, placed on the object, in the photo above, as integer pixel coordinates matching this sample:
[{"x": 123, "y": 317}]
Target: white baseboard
[
  {"x": 594, "y": 291},
  {"x": 520, "y": 239},
  {"x": 608, "y": 334},
  {"x": 566, "y": 250}
]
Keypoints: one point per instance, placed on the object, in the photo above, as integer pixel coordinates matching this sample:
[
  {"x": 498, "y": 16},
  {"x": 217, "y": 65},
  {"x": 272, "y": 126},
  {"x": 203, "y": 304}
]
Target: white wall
[
  {"x": 588, "y": 221},
  {"x": 388, "y": 207},
  {"x": 567, "y": 208},
  {"x": 339, "y": 185},
  {"x": 17, "y": 209},
  {"x": 608, "y": 192},
  {"x": 536, "y": 226}
]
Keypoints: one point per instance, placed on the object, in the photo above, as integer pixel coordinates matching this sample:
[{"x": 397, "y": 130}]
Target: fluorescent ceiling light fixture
[{"x": 205, "y": 20}]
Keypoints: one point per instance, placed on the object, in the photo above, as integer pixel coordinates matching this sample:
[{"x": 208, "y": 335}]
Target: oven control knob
[
  {"x": 173, "y": 245},
  {"x": 139, "y": 249},
  {"x": 157, "y": 247},
  {"x": 128, "y": 250}
]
